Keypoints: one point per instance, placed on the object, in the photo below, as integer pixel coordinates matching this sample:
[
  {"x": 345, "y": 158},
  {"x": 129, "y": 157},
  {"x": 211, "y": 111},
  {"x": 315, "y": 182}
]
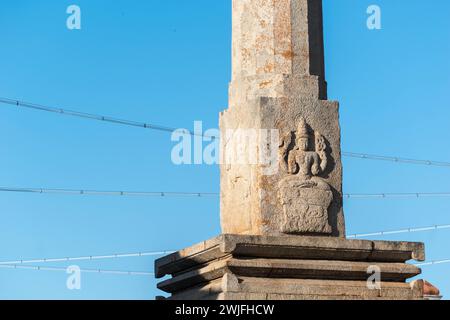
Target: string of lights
[
  {"x": 60, "y": 269},
  {"x": 160, "y": 253},
  {"x": 144, "y": 273},
  {"x": 87, "y": 258},
  {"x": 202, "y": 194},
  {"x": 396, "y": 195},
  {"x": 395, "y": 159},
  {"x": 135, "y": 273},
  {"x": 62, "y": 111},
  {"x": 108, "y": 193},
  {"x": 432, "y": 263},
  {"x": 84, "y": 115},
  {"x": 406, "y": 230}
]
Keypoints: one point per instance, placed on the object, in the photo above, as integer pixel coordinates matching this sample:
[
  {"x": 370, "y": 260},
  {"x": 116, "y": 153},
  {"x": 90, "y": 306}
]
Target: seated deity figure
[{"x": 305, "y": 196}]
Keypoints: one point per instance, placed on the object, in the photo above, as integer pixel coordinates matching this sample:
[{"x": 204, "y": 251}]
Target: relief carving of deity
[{"x": 303, "y": 194}]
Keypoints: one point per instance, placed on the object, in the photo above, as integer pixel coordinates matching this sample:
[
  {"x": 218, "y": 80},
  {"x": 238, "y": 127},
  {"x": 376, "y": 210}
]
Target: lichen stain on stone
[
  {"x": 262, "y": 41},
  {"x": 267, "y": 68},
  {"x": 288, "y": 54},
  {"x": 265, "y": 222},
  {"x": 265, "y": 84},
  {"x": 263, "y": 23},
  {"x": 265, "y": 183}
]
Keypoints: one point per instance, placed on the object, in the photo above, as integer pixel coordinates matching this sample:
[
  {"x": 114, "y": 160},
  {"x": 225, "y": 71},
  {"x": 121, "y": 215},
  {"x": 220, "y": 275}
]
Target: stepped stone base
[{"x": 239, "y": 267}]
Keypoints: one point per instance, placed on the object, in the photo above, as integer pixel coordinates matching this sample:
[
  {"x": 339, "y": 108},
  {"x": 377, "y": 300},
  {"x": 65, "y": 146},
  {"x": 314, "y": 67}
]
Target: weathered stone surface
[
  {"x": 284, "y": 268},
  {"x": 277, "y": 49},
  {"x": 288, "y": 247},
  {"x": 273, "y": 297},
  {"x": 232, "y": 287},
  {"x": 290, "y": 267},
  {"x": 319, "y": 287},
  {"x": 278, "y": 86},
  {"x": 302, "y": 193}
]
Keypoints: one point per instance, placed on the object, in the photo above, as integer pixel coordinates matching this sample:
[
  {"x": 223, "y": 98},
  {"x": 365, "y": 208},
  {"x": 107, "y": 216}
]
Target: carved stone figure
[{"x": 305, "y": 196}]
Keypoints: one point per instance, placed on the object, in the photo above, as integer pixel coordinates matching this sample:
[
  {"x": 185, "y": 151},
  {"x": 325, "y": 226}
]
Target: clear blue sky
[{"x": 168, "y": 62}]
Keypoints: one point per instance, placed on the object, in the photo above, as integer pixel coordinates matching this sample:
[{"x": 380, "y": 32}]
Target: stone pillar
[
  {"x": 278, "y": 49},
  {"x": 278, "y": 108},
  {"x": 281, "y": 180}
]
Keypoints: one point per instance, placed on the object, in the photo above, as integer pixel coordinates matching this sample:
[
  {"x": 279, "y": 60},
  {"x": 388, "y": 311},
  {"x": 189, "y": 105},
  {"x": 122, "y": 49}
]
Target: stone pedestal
[
  {"x": 239, "y": 267},
  {"x": 295, "y": 186}
]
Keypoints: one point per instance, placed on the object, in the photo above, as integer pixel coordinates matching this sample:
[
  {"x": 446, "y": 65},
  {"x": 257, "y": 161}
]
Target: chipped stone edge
[{"x": 229, "y": 244}]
